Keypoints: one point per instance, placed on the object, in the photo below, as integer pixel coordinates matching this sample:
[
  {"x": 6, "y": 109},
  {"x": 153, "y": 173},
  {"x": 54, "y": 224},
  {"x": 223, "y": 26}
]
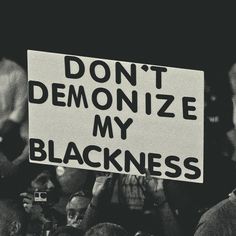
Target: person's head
[
  {"x": 106, "y": 229},
  {"x": 67, "y": 231},
  {"x": 232, "y": 78},
  {"x": 44, "y": 182},
  {"x": 76, "y": 208},
  {"x": 12, "y": 218}
]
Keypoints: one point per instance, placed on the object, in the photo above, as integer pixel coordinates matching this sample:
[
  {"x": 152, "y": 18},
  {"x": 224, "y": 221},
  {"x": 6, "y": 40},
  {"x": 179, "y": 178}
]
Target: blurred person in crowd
[
  {"x": 218, "y": 112},
  {"x": 13, "y": 123},
  {"x": 13, "y": 105},
  {"x": 107, "y": 229},
  {"x": 13, "y": 96},
  {"x": 111, "y": 203},
  {"x": 220, "y": 219},
  {"x": 189, "y": 201},
  {"x": 76, "y": 208},
  {"x": 136, "y": 200},
  {"x": 39, "y": 203},
  {"x": 232, "y": 133},
  {"x": 108, "y": 203},
  {"x": 13, "y": 219}
]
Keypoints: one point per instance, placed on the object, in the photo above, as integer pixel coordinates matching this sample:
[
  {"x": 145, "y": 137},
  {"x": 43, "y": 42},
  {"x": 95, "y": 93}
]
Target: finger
[
  {"x": 23, "y": 194},
  {"x": 27, "y": 205},
  {"x": 27, "y": 208},
  {"x": 26, "y": 200},
  {"x": 148, "y": 175},
  {"x": 26, "y": 195},
  {"x": 114, "y": 176}
]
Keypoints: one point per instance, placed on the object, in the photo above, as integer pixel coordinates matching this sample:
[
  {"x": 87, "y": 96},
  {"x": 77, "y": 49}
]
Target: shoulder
[
  {"x": 11, "y": 65},
  {"x": 14, "y": 69},
  {"x": 214, "y": 221}
]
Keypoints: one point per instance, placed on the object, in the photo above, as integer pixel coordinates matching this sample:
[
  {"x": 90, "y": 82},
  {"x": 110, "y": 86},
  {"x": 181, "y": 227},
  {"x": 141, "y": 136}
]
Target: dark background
[{"x": 188, "y": 36}]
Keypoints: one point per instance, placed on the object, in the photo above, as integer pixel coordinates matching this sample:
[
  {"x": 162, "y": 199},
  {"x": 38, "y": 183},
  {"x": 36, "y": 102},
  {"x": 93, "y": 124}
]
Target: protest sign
[{"x": 116, "y": 116}]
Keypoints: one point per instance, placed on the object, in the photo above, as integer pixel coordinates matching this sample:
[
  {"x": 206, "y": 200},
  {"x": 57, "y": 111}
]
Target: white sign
[{"x": 116, "y": 116}]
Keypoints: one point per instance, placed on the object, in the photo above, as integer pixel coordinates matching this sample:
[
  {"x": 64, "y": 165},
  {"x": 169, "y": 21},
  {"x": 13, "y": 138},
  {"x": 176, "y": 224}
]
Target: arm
[
  {"x": 152, "y": 187},
  {"x": 102, "y": 191}
]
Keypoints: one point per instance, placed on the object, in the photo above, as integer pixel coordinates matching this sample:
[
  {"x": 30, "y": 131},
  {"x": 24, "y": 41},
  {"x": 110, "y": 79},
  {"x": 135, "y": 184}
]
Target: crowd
[{"x": 40, "y": 200}]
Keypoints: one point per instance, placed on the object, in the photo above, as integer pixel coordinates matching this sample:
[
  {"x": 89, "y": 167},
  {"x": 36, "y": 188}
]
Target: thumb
[{"x": 148, "y": 175}]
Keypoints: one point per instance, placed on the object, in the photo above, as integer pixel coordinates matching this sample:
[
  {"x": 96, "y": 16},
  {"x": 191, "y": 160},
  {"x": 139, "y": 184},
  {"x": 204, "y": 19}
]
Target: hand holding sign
[{"x": 102, "y": 188}]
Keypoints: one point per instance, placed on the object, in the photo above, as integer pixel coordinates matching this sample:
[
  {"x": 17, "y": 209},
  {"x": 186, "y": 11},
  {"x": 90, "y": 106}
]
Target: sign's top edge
[{"x": 180, "y": 68}]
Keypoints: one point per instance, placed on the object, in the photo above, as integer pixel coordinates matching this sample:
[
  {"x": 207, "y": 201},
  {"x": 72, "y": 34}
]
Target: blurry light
[{"x": 60, "y": 170}]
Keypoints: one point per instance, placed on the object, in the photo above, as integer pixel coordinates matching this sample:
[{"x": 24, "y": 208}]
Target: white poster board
[{"x": 116, "y": 116}]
